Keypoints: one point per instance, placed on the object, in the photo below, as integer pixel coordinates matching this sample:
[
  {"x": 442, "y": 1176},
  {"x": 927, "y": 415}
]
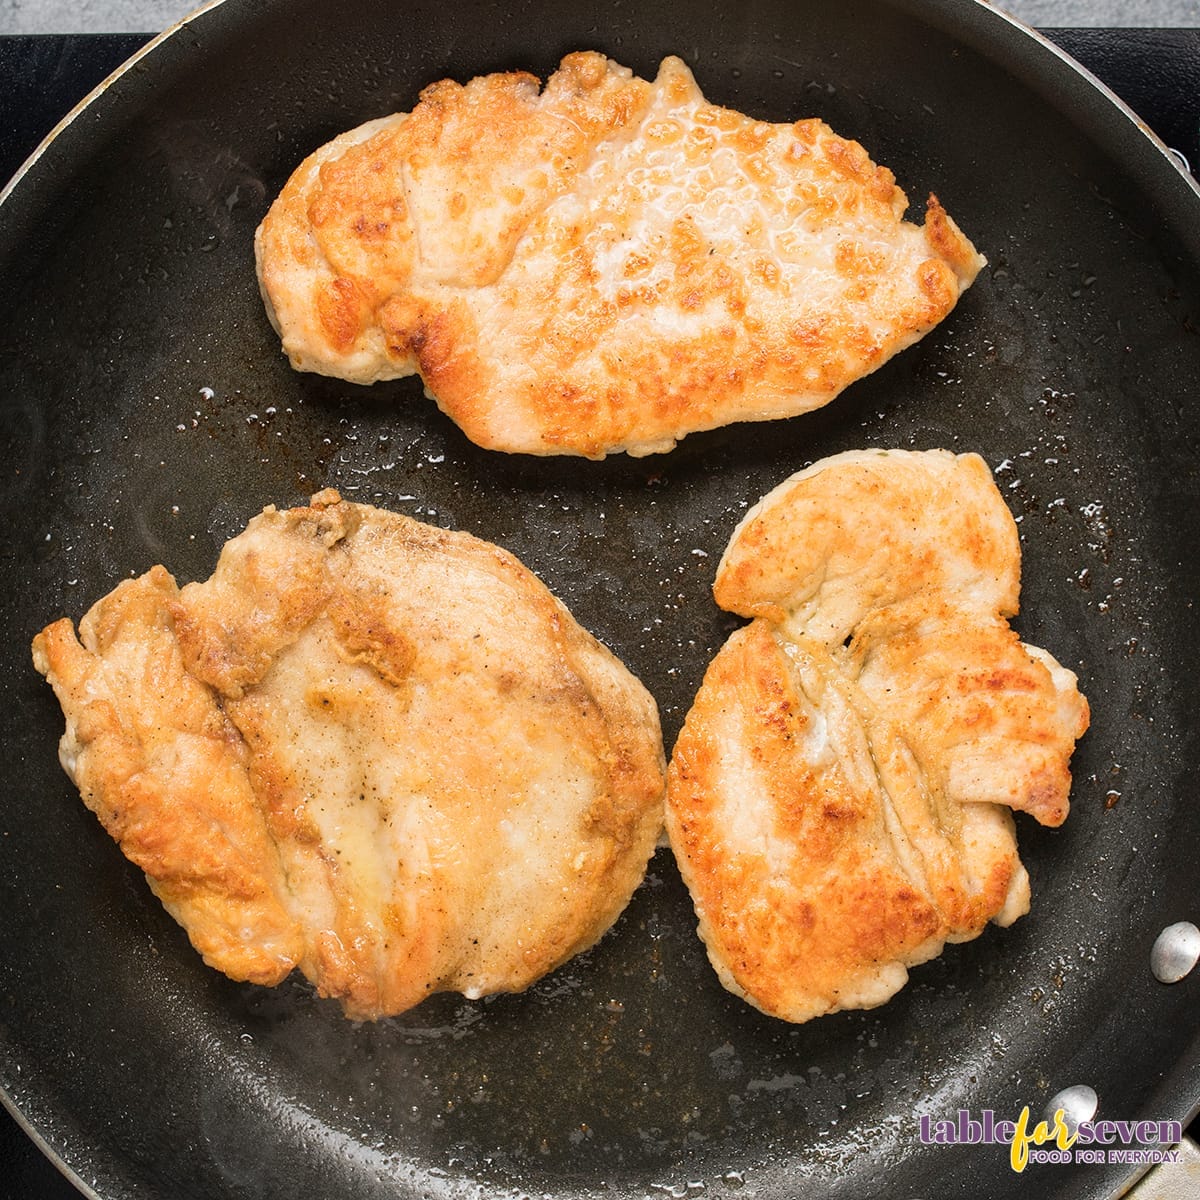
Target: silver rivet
[
  {"x": 1176, "y": 951},
  {"x": 1078, "y": 1104}
]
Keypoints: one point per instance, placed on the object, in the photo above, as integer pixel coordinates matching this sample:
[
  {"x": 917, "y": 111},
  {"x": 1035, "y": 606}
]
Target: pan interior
[{"x": 147, "y": 414}]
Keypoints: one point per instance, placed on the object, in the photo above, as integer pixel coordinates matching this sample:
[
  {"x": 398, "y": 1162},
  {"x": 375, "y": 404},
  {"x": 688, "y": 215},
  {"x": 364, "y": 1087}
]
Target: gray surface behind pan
[{"x": 143, "y": 16}]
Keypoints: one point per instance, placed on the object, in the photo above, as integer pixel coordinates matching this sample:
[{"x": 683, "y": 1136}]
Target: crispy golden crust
[
  {"x": 165, "y": 770},
  {"x": 864, "y": 530},
  {"x": 839, "y": 797},
  {"x": 607, "y": 264},
  {"x": 381, "y": 752}
]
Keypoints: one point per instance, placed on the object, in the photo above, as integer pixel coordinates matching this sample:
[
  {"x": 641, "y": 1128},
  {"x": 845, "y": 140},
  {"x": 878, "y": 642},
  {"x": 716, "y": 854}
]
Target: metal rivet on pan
[
  {"x": 1180, "y": 159},
  {"x": 1078, "y": 1104},
  {"x": 1176, "y": 951}
]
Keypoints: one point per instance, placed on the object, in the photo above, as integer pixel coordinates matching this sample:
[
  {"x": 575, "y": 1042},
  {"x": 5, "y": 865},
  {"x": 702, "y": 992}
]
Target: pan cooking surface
[{"x": 147, "y": 413}]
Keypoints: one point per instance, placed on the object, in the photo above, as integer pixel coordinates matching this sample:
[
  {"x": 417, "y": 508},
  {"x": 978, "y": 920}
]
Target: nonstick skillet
[{"x": 147, "y": 413}]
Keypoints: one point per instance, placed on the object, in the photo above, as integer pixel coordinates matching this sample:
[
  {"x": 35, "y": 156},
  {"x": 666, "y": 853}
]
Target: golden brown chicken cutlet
[
  {"x": 840, "y": 798},
  {"x": 603, "y": 264},
  {"x": 374, "y": 750}
]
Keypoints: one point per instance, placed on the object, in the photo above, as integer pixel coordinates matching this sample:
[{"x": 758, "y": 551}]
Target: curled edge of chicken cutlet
[
  {"x": 840, "y": 798},
  {"x": 373, "y": 750}
]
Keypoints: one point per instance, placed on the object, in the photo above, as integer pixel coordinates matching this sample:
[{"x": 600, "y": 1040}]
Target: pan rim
[
  {"x": 97, "y": 92},
  {"x": 35, "y": 1135},
  {"x": 1079, "y": 69},
  {"x": 1056, "y": 51},
  {"x": 152, "y": 46}
]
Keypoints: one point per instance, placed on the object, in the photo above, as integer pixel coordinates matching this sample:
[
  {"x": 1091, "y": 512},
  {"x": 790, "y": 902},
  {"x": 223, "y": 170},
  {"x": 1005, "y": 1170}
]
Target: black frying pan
[{"x": 147, "y": 413}]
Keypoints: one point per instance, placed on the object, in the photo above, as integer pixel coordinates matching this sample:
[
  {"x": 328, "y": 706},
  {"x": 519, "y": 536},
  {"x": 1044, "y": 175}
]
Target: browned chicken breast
[
  {"x": 839, "y": 798},
  {"x": 604, "y": 264},
  {"x": 377, "y": 751}
]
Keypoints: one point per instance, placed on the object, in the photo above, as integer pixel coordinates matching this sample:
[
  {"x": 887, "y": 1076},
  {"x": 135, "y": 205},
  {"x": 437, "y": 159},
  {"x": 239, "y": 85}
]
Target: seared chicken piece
[
  {"x": 377, "y": 751},
  {"x": 839, "y": 797},
  {"x": 606, "y": 264}
]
